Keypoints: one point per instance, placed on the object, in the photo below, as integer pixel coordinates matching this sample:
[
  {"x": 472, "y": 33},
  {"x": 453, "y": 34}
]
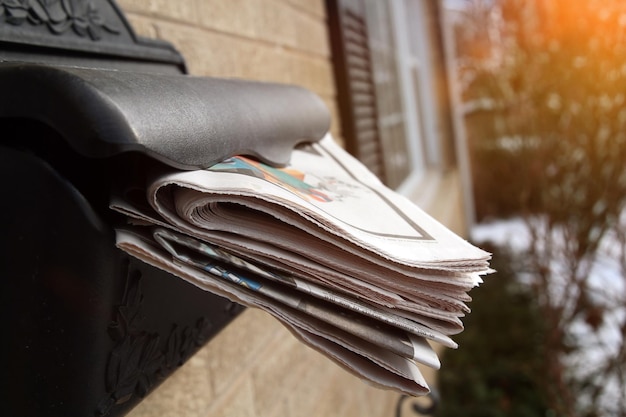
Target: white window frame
[{"x": 419, "y": 110}]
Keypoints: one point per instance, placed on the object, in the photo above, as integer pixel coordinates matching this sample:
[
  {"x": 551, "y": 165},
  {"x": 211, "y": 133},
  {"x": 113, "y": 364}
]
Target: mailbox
[{"x": 86, "y": 108}]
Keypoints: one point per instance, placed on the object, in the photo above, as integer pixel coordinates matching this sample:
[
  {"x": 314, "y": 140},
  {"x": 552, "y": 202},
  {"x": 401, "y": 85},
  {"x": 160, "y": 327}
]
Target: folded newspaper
[{"x": 353, "y": 269}]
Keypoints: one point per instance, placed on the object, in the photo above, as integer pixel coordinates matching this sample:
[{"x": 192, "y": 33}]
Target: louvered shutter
[{"x": 355, "y": 84}]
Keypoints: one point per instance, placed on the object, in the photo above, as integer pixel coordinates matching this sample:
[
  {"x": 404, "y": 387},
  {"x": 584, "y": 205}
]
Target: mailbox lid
[{"x": 184, "y": 121}]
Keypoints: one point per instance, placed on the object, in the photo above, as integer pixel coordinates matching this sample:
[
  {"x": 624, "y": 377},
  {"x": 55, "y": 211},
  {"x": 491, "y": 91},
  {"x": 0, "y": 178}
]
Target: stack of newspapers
[{"x": 352, "y": 268}]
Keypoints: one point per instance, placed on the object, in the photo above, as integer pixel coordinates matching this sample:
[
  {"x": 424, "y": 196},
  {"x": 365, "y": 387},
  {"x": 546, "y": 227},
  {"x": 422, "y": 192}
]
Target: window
[{"x": 392, "y": 87}]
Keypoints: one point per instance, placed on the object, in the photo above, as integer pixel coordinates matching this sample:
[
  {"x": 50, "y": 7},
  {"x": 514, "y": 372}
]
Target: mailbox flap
[{"x": 184, "y": 121}]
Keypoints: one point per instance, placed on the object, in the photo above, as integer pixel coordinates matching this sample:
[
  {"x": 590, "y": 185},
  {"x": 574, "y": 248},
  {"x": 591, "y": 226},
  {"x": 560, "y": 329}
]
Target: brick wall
[{"x": 254, "y": 367}]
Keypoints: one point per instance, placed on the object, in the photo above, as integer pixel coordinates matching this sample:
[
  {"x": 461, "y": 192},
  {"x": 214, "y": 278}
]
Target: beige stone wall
[{"x": 254, "y": 367}]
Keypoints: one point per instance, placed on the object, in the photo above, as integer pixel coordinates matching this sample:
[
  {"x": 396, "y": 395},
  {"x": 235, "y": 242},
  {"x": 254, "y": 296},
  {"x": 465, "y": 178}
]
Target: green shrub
[{"x": 497, "y": 369}]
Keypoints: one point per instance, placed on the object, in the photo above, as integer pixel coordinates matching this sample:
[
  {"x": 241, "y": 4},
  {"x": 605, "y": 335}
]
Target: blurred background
[{"x": 542, "y": 87}]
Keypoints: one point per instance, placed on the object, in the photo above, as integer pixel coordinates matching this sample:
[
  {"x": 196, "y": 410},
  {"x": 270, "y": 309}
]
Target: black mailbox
[{"x": 86, "y": 107}]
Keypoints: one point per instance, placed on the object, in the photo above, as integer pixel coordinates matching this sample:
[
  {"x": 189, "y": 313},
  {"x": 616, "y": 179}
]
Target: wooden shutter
[{"x": 355, "y": 84}]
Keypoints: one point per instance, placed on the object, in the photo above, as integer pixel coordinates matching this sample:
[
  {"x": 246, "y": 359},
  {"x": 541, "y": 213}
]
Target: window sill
[{"x": 440, "y": 194}]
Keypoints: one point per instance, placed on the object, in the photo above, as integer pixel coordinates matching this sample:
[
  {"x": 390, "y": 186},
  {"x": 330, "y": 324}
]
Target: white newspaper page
[
  {"x": 325, "y": 193},
  {"x": 359, "y": 356}
]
